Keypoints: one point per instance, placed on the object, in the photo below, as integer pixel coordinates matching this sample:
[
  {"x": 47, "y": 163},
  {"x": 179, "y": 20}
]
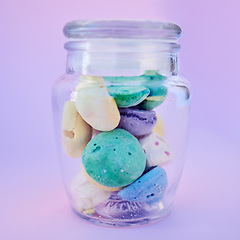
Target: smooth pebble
[
  {"x": 157, "y": 150},
  {"x": 95, "y": 105},
  {"x": 76, "y": 133},
  {"x": 148, "y": 188},
  {"x": 85, "y": 194},
  {"x": 114, "y": 159}
]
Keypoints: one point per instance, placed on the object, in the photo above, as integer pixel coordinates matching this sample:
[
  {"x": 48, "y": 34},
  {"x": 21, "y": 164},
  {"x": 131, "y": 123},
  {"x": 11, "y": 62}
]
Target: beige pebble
[
  {"x": 95, "y": 105},
  {"x": 76, "y": 133},
  {"x": 159, "y": 127},
  {"x": 86, "y": 195},
  {"x": 156, "y": 149}
]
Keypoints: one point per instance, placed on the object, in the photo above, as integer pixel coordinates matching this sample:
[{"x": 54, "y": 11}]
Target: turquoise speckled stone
[
  {"x": 157, "y": 96},
  {"x": 128, "y": 96},
  {"x": 152, "y": 80},
  {"x": 158, "y": 92},
  {"x": 114, "y": 159}
]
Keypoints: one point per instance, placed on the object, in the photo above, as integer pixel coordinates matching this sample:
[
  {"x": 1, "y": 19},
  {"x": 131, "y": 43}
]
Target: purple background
[{"x": 33, "y": 203}]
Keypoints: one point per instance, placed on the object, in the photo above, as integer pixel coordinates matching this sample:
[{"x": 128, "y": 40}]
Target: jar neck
[
  {"x": 122, "y": 47},
  {"x": 111, "y": 57}
]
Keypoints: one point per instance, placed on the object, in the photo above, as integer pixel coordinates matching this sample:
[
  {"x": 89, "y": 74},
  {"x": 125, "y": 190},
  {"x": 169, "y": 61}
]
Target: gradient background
[{"x": 33, "y": 203}]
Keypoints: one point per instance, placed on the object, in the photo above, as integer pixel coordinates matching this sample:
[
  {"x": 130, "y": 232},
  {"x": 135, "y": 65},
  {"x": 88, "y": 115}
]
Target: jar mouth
[{"x": 122, "y": 29}]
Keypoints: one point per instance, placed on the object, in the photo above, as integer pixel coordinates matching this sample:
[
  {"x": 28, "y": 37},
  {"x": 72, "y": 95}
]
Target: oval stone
[
  {"x": 114, "y": 158},
  {"x": 149, "y": 188}
]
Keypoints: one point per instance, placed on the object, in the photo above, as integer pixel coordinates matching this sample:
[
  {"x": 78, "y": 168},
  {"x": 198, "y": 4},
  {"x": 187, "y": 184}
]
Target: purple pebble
[{"x": 136, "y": 121}]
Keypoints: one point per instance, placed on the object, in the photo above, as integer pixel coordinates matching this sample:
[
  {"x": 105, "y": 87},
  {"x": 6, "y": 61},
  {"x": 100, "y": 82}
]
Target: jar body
[
  {"x": 163, "y": 145},
  {"x": 121, "y": 116}
]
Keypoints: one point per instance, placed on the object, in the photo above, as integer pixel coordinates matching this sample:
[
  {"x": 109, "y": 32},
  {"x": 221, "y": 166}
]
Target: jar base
[{"x": 120, "y": 213}]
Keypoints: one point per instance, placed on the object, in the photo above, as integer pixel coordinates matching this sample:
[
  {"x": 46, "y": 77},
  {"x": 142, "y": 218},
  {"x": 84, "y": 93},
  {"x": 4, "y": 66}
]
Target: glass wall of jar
[{"x": 121, "y": 116}]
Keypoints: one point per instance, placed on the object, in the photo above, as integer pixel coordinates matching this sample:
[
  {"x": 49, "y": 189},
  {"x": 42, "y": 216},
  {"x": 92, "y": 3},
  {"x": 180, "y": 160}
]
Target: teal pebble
[
  {"x": 157, "y": 96},
  {"x": 114, "y": 159},
  {"x": 153, "y": 81},
  {"x": 151, "y": 75},
  {"x": 128, "y": 96},
  {"x": 158, "y": 92}
]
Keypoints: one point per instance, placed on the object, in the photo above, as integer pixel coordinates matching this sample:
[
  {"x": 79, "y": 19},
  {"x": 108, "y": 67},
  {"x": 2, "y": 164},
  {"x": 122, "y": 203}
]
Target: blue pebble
[{"x": 149, "y": 188}]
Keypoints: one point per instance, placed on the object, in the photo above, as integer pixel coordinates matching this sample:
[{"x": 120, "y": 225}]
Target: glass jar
[{"x": 121, "y": 116}]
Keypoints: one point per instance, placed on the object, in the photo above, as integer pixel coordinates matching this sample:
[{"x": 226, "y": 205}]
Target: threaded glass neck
[{"x": 121, "y": 47}]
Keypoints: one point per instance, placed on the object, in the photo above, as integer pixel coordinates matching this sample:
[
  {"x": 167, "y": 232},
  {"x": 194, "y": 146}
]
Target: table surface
[{"x": 34, "y": 204}]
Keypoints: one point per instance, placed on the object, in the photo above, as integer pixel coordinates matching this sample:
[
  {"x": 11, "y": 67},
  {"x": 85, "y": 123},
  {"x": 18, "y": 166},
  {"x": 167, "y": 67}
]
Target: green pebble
[
  {"x": 153, "y": 75},
  {"x": 114, "y": 159},
  {"x": 128, "y": 96},
  {"x": 158, "y": 92},
  {"x": 155, "y": 99},
  {"x": 153, "y": 81}
]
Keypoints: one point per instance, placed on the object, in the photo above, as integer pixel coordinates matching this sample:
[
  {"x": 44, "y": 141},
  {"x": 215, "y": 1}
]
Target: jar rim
[{"x": 122, "y": 29}]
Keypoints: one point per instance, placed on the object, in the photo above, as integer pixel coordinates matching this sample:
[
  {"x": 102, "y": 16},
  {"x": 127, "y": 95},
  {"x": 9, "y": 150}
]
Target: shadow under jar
[{"x": 121, "y": 116}]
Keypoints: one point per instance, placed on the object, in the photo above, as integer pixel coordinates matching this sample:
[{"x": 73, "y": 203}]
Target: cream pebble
[
  {"x": 159, "y": 127},
  {"x": 85, "y": 195},
  {"x": 95, "y": 105},
  {"x": 156, "y": 149},
  {"x": 76, "y": 133}
]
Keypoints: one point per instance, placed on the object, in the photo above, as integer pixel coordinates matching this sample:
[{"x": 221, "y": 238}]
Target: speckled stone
[
  {"x": 128, "y": 96},
  {"x": 114, "y": 159},
  {"x": 158, "y": 91},
  {"x": 152, "y": 80},
  {"x": 157, "y": 96},
  {"x": 157, "y": 150},
  {"x": 149, "y": 188},
  {"x": 137, "y": 121}
]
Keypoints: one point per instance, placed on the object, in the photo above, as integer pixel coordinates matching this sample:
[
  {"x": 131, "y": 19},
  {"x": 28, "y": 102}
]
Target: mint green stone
[
  {"x": 158, "y": 92},
  {"x": 158, "y": 96},
  {"x": 151, "y": 75},
  {"x": 128, "y": 96},
  {"x": 114, "y": 159},
  {"x": 151, "y": 80},
  {"x": 154, "y": 82}
]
